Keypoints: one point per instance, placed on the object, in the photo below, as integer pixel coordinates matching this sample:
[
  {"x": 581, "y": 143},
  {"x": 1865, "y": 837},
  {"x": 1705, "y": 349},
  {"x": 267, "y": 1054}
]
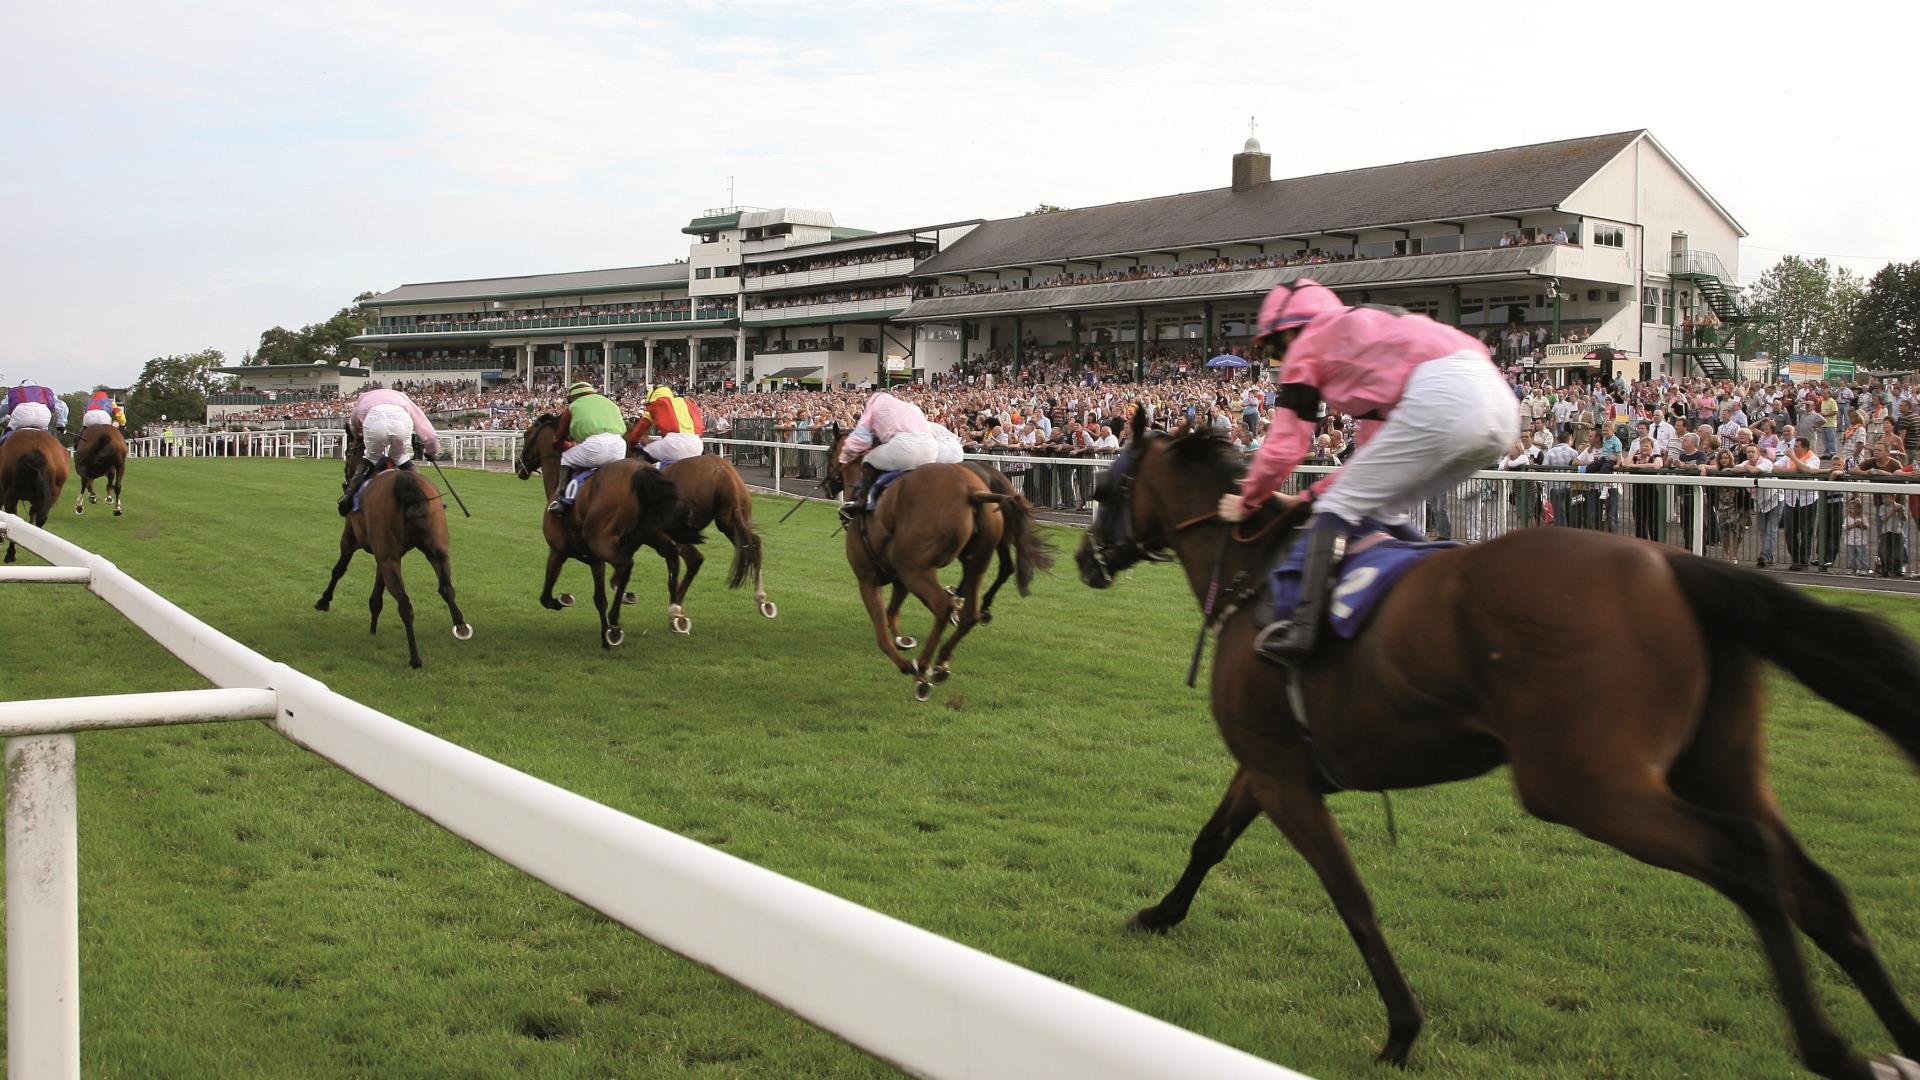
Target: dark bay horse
[
  {"x": 400, "y": 511},
  {"x": 925, "y": 520},
  {"x": 711, "y": 493},
  {"x": 627, "y": 504},
  {"x": 33, "y": 469},
  {"x": 1460, "y": 672},
  {"x": 100, "y": 453}
]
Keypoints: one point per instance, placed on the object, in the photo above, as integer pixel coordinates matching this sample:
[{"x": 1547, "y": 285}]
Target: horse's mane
[{"x": 1210, "y": 451}]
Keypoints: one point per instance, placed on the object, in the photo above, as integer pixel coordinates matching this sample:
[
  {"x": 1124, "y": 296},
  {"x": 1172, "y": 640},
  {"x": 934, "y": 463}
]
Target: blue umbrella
[{"x": 1226, "y": 360}]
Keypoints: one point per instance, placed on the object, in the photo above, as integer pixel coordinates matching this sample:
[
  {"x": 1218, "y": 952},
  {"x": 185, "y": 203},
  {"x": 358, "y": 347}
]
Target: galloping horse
[
  {"x": 627, "y": 504},
  {"x": 711, "y": 493},
  {"x": 400, "y": 511},
  {"x": 925, "y": 520},
  {"x": 33, "y": 469},
  {"x": 100, "y": 452},
  {"x": 1459, "y": 672}
]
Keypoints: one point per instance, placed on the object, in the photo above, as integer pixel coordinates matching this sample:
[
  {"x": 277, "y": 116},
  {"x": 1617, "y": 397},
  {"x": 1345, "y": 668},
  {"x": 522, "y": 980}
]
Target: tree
[
  {"x": 1798, "y": 294},
  {"x": 1043, "y": 208},
  {"x": 175, "y": 387},
  {"x": 324, "y": 342},
  {"x": 1849, "y": 291},
  {"x": 76, "y": 408},
  {"x": 1886, "y": 326}
]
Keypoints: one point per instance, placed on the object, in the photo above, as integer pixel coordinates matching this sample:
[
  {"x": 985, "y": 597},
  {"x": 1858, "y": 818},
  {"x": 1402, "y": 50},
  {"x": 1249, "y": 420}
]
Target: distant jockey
[
  {"x": 1432, "y": 406},
  {"x": 100, "y": 410},
  {"x": 675, "y": 425},
  {"x": 387, "y": 421},
  {"x": 31, "y": 405},
  {"x": 895, "y": 436},
  {"x": 591, "y": 435}
]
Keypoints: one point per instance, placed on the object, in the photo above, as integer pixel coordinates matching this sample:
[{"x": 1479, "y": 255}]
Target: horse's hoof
[
  {"x": 953, "y": 618},
  {"x": 913, "y": 668},
  {"x": 922, "y": 691},
  {"x": 953, "y": 592},
  {"x": 116, "y": 511},
  {"x": 414, "y": 663},
  {"x": 615, "y": 635},
  {"x": 769, "y": 609},
  {"x": 629, "y": 598},
  {"x": 986, "y": 617},
  {"x": 321, "y": 605},
  {"x": 1894, "y": 1067},
  {"x": 1148, "y": 921},
  {"x": 463, "y": 632},
  {"x": 550, "y": 605},
  {"x": 939, "y": 674},
  {"x": 904, "y": 642},
  {"x": 680, "y": 624},
  {"x": 566, "y": 599}
]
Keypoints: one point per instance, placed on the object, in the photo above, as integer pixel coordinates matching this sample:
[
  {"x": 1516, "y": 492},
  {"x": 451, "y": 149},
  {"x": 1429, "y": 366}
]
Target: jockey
[
  {"x": 31, "y": 405},
  {"x": 676, "y": 424},
  {"x": 1432, "y": 406},
  {"x": 895, "y": 437},
  {"x": 100, "y": 410},
  {"x": 591, "y": 429},
  {"x": 387, "y": 421}
]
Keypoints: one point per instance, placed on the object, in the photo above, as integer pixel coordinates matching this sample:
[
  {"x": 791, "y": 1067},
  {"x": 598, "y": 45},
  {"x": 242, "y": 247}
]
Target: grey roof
[
  {"x": 657, "y": 276},
  {"x": 1467, "y": 185},
  {"x": 1402, "y": 271}
]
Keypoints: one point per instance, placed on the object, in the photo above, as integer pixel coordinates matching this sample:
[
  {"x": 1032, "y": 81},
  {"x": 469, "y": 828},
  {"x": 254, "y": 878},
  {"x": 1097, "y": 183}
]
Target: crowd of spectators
[
  {"x": 837, "y": 296},
  {"x": 705, "y": 308},
  {"x": 833, "y": 262}
]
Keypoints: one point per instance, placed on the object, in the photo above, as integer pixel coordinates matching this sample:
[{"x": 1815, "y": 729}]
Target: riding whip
[
  {"x": 798, "y": 503},
  {"x": 1206, "y": 613},
  {"x": 450, "y": 491}
]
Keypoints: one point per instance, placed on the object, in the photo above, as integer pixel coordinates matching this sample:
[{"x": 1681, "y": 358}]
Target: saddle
[
  {"x": 1374, "y": 564},
  {"x": 572, "y": 491},
  {"x": 880, "y": 484},
  {"x": 364, "y": 484}
]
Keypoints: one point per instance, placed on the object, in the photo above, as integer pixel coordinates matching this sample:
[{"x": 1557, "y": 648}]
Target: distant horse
[
  {"x": 400, "y": 511},
  {"x": 711, "y": 493},
  {"x": 925, "y": 520},
  {"x": 1460, "y": 671},
  {"x": 100, "y": 452},
  {"x": 33, "y": 469},
  {"x": 627, "y": 504}
]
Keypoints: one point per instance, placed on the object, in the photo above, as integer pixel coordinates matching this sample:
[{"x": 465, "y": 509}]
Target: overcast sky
[{"x": 175, "y": 176}]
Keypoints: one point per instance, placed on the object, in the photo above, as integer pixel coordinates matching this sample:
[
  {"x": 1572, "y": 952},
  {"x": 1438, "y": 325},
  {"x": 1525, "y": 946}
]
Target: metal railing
[
  {"x": 929, "y": 1005},
  {"x": 1694, "y": 263}
]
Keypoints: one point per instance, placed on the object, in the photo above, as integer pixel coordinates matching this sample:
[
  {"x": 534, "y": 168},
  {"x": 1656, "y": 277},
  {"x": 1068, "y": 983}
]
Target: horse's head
[
  {"x": 536, "y": 445},
  {"x": 831, "y": 480},
  {"x": 1158, "y": 484}
]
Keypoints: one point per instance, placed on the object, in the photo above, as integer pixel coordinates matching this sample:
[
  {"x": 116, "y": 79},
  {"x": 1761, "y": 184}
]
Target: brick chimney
[{"x": 1251, "y": 166}]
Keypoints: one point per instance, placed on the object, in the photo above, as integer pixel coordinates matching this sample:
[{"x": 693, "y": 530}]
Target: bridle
[
  {"x": 525, "y": 467},
  {"x": 1113, "y": 546}
]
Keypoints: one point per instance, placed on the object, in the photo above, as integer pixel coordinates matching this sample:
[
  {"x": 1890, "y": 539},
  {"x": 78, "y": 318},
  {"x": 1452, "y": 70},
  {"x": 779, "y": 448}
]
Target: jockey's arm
[
  {"x": 60, "y": 412},
  {"x": 642, "y": 427},
  {"x": 561, "y": 440},
  {"x": 1289, "y": 436}
]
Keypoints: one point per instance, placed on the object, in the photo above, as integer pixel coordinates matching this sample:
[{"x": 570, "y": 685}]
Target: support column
[
  {"x": 739, "y": 355},
  {"x": 1139, "y": 345},
  {"x": 1453, "y": 306},
  {"x": 606, "y": 365},
  {"x": 1206, "y": 329},
  {"x": 529, "y": 362},
  {"x": 1073, "y": 347},
  {"x": 566, "y": 365},
  {"x": 1019, "y": 336},
  {"x": 43, "y": 908},
  {"x": 648, "y": 344}
]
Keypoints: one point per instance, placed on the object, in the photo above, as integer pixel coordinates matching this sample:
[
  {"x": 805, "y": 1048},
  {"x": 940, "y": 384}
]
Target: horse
[
  {"x": 925, "y": 520},
  {"x": 400, "y": 511},
  {"x": 1459, "y": 672},
  {"x": 711, "y": 493},
  {"x": 101, "y": 451},
  {"x": 1008, "y": 551},
  {"x": 33, "y": 469},
  {"x": 627, "y": 504}
]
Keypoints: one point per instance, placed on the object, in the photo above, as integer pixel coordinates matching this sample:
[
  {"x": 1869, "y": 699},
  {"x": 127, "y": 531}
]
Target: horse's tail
[
  {"x": 33, "y": 464},
  {"x": 1857, "y": 661},
  {"x": 1030, "y": 552},
  {"x": 746, "y": 542},
  {"x": 416, "y": 506}
]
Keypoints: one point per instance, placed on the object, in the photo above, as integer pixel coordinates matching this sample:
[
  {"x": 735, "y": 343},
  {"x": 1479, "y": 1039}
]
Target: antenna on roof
[
  {"x": 1251, "y": 124},
  {"x": 730, "y": 201}
]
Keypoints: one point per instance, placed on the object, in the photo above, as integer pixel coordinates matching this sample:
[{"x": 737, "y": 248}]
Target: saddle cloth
[
  {"x": 1374, "y": 564},
  {"x": 362, "y": 489},
  {"x": 572, "y": 490},
  {"x": 880, "y": 485}
]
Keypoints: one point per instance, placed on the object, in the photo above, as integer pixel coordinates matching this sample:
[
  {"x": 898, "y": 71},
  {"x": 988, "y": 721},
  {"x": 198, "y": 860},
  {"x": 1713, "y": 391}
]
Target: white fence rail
[{"x": 926, "y": 1004}]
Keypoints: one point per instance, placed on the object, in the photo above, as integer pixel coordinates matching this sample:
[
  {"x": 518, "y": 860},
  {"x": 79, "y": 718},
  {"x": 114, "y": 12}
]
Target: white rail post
[{"x": 43, "y": 909}]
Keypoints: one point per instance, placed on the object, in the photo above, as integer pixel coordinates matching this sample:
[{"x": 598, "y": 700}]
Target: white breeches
[
  {"x": 29, "y": 414},
  {"x": 1455, "y": 417},
  {"x": 595, "y": 451},
  {"x": 947, "y": 446},
  {"x": 907, "y": 450},
  {"x": 668, "y": 449},
  {"x": 387, "y": 432},
  {"x": 96, "y": 417}
]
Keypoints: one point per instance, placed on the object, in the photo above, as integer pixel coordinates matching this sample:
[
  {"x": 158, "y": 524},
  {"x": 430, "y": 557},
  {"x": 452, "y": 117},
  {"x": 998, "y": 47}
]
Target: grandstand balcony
[
  {"x": 899, "y": 268},
  {"x": 879, "y": 307}
]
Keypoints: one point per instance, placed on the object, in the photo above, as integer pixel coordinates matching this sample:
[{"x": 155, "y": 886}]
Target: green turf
[{"x": 248, "y": 909}]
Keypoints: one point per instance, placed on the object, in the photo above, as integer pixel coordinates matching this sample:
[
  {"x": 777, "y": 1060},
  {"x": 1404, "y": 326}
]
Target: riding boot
[
  {"x": 556, "y": 507},
  {"x": 856, "y": 503},
  {"x": 360, "y": 474},
  {"x": 1290, "y": 642}
]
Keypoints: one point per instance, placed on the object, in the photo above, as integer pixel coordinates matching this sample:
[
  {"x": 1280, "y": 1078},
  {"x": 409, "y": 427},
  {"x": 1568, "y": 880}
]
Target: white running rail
[{"x": 930, "y": 1006}]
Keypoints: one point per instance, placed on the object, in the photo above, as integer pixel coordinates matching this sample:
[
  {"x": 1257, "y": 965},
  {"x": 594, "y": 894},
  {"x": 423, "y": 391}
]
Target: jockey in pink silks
[
  {"x": 387, "y": 421},
  {"x": 1433, "y": 409},
  {"x": 895, "y": 436}
]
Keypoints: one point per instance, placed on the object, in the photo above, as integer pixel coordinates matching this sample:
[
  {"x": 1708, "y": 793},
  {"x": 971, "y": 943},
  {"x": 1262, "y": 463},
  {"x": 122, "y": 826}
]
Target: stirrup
[
  {"x": 1273, "y": 644},
  {"x": 557, "y": 508}
]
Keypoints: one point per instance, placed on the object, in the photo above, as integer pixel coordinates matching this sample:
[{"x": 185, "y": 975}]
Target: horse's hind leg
[
  {"x": 84, "y": 495},
  {"x": 1236, "y": 811},
  {"x": 443, "y": 573},
  {"x": 676, "y": 610},
  {"x": 1649, "y": 822},
  {"x": 894, "y": 604},
  {"x": 600, "y": 599},
  {"x": 118, "y": 475},
  {"x": 969, "y": 600},
  {"x": 376, "y": 602},
  {"x": 999, "y": 579},
  {"x": 389, "y": 570},
  {"x": 924, "y": 583},
  {"x": 621, "y": 572}
]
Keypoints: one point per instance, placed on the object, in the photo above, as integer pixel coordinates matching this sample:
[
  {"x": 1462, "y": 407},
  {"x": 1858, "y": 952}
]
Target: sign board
[
  {"x": 1839, "y": 367},
  {"x": 897, "y": 363},
  {"x": 1806, "y": 368}
]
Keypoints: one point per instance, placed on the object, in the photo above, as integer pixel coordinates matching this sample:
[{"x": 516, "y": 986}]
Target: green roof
[
  {"x": 714, "y": 223},
  {"x": 845, "y": 232}
]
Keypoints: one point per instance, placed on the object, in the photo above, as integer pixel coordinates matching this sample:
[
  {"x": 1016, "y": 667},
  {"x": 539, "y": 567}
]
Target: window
[
  {"x": 1609, "y": 236},
  {"x": 869, "y": 345},
  {"x": 1666, "y": 307},
  {"x": 1429, "y": 308},
  {"x": 702, "y": 273},
  {"x": 1649, "y": 303},
  {"x": 1613, "y": 296},
  {"x": 726, "y": 271}
]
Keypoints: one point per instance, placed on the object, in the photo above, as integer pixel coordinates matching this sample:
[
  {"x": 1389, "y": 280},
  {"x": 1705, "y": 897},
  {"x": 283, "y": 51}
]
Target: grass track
[{"x": 249, "y": 910}]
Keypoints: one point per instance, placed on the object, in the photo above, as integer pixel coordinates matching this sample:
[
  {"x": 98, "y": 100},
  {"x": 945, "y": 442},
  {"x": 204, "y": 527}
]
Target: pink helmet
[{"x": 1293, "y": 304}]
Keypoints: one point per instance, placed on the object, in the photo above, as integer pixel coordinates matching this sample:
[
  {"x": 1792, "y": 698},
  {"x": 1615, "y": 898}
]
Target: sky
[{"x": 178, "y": 176}]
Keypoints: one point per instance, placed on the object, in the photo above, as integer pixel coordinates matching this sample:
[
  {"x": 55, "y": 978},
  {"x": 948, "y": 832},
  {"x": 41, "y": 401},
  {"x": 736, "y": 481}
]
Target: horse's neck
[{"x": 550, "y": 473}]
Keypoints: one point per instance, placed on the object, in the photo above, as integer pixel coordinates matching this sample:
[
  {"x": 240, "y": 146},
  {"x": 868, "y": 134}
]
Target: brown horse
[
  {"x": 711, "y": 493},
  {"x": 627, "y": 504},
  {"x": 101, "y": 451},
  {"x": 925, "y": 520},
  {"x": 400, "y": 511},
  {"x": 33, "y": 469},
  {"x": 1460, "y": 672}
]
